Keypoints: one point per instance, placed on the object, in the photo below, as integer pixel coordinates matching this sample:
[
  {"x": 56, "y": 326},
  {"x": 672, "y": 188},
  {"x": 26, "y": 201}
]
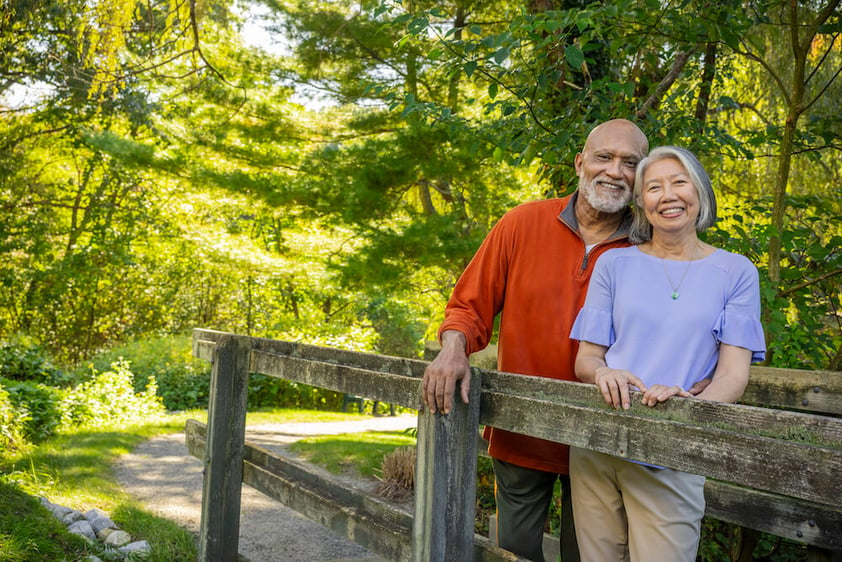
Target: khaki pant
[{"x": 628, "y": 511}]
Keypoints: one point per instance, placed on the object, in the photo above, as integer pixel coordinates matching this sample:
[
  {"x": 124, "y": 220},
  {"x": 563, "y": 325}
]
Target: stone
[
  {"x": 95, "y": 524},
  {"x": 83, "y": 528},
  {"x": 59, "y": 511},
  {"x": 72, "y": 517},
  {"x": 137, "y": 546},
  {"x": 118, "y": 538},
  {"x": 101, "y": 523},
  {"x": 103, "y": 534},
  {"x": 95, "y": 513}
]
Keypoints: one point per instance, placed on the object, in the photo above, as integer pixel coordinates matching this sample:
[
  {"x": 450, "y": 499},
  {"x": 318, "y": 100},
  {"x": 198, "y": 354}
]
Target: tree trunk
[{"x": 708, "y": 74}]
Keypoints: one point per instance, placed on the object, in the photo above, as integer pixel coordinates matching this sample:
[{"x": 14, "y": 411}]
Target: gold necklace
[{"x": 675, "y": 294}]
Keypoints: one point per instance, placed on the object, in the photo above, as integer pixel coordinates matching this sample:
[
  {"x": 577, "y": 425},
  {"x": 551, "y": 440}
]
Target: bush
[
  {"x": 12, "y": 421},
  {"x": 183, "y": 382},
  {"x": 24, "y": 362},
  {"x": 40, "y": 406},
  {"x": 109, "y": 398}
]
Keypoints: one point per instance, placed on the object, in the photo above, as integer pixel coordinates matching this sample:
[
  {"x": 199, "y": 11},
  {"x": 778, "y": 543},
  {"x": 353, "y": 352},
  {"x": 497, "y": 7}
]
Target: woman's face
[{"x": 669, "y": 199}]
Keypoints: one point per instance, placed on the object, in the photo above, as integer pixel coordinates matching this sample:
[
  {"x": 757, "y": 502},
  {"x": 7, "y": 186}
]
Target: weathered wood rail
[{"x": 772, "y": 470}]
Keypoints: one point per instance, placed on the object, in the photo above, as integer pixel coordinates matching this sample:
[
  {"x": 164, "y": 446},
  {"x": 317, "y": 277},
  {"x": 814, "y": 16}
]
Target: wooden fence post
[
  {"x": 446, "y": 480},
  {"x": 219, "y": 531}
]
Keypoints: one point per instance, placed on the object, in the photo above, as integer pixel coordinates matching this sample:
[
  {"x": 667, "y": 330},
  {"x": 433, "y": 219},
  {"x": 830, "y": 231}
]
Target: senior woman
[{"x": 659, "y": 317}]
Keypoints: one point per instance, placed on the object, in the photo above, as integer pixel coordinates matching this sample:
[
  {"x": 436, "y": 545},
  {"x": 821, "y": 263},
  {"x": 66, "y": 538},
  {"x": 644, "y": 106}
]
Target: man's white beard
[{"x": 611, "y": 203}]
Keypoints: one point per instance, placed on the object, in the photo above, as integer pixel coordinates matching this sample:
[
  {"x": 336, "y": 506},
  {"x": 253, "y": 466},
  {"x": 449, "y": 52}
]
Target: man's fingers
[
  {"x": 445, "y": 399},
  {"x": 466, "y": 386},
  {"x": 438, "y": 388},
  {"x": 428, "y": 393}
]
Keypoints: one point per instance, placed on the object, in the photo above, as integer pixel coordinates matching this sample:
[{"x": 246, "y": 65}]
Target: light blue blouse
[{"x": 629, "y": 308}]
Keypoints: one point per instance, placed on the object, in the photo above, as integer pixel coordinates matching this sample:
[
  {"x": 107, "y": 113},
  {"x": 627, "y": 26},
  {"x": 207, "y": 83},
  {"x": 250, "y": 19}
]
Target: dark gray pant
[{"x": 523, "y": 498}]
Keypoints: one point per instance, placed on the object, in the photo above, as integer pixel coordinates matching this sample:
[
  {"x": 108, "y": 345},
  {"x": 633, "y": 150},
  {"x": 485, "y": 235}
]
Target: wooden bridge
[{"x": 769, "y": 469}]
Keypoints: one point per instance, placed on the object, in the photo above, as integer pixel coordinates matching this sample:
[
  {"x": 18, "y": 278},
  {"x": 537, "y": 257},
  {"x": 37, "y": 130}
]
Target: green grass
[
  {"x": 28, "y": 532},
  {"x": 358, "y": 452}
]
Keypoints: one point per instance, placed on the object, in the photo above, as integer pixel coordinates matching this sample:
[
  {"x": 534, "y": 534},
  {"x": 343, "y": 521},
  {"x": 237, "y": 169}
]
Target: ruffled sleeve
[
  {"x": 593, "y": 325},
  {"x": 595, "y": 322},
  {"x": 741, "y": 330},
  {"x": 739, "y": 322}
]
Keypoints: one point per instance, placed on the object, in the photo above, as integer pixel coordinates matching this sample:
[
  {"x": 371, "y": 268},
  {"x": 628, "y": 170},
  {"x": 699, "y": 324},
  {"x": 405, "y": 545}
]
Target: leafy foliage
[
  {"x": 108, "y": 398},
  {"x": 39, "y": 406},
  {"x": 162, "y": 172},
  {"x": 33, "y": 411},
  {"x": 182, "y": 382},
  {"x": 800, "y": 313},
  {"x": 27, "y": 362},
  {"x": 12, "y": 420}
]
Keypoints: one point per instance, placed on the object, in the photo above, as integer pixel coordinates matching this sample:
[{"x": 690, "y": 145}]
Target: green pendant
[{"x": 674, "y": 295}]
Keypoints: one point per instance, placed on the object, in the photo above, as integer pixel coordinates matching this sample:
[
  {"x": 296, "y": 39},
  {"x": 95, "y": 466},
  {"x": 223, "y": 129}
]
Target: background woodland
[{"x": 322, "y": 171}]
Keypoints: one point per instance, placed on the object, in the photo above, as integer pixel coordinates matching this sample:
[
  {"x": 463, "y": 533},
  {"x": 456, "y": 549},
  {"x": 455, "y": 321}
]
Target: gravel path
[{"x": 162, "y": 475}]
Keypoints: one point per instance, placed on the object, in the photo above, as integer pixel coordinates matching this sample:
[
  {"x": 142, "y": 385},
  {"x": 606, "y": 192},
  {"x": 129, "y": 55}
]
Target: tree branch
[
  {"x": 677, "y": 66},
  {"x": 809, "y": 282}
]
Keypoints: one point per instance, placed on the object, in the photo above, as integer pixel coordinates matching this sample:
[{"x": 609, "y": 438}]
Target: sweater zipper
[
  {"x": 587, "y": 255},
  {"x": 595, "y": 246}
]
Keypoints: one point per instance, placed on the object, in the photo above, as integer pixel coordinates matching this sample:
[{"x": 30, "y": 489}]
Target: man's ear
[{"x": 577, "y": 163}]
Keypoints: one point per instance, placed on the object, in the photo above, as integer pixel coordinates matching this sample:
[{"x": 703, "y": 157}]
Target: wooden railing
[{"x": 771, "y": 470}]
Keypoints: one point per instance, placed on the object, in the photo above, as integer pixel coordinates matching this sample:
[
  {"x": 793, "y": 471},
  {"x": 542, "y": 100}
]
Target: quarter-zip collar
[{"x": 568, "y": 217}]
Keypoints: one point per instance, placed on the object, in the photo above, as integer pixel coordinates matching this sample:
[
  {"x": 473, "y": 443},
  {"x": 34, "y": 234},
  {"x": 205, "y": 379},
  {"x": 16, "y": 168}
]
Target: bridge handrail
[{"x": 785, "y": 458}]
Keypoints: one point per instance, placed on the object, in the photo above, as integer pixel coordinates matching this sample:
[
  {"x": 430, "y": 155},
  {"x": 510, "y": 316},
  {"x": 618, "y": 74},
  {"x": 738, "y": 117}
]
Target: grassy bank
[{"x": 75, "y": 469}]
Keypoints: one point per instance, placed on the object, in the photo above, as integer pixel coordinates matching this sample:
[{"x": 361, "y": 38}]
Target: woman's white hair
[{"x": 641, "y": 228}]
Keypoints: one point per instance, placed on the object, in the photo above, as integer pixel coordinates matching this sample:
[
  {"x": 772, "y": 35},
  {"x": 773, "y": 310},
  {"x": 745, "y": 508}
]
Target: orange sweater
[{"x": 533, "y": 270}]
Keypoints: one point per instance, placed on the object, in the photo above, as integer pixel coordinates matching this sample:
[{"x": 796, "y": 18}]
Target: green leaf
[
  {"x": 529, "y": 154},
  {"x": 501, "y": 55},
  {"x": 418, "y": 25},
  {"x": 469, "y": 68},
  {"x": 574, "y": 56},
  {"x": 492, "y": 90}
]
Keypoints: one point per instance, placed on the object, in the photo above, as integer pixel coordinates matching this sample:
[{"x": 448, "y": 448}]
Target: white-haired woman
[{"x": 660, "y": 317}]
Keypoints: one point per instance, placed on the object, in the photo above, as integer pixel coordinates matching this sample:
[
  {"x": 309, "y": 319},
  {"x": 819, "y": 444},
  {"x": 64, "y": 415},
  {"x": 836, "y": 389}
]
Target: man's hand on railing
[{"x": 440, "y": 376}]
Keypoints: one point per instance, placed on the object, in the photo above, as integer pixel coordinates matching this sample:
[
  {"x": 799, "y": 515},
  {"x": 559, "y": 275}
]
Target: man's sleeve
[{"x": 479, "y": 293}]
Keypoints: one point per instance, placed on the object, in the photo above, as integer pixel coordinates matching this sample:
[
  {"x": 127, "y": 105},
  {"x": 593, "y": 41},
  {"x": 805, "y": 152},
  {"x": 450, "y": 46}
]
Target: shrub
[
  {"x": 12, "y": 421},
  {"x": 25, "y": 362},
  {"x": 41, "y": 404},
  {"x": 183, "y": 382},
  {"x": 109, "y": 398}
]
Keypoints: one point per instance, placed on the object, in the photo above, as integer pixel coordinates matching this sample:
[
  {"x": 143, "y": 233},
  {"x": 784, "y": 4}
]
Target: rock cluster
[{"x": 95, "y": 525}]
